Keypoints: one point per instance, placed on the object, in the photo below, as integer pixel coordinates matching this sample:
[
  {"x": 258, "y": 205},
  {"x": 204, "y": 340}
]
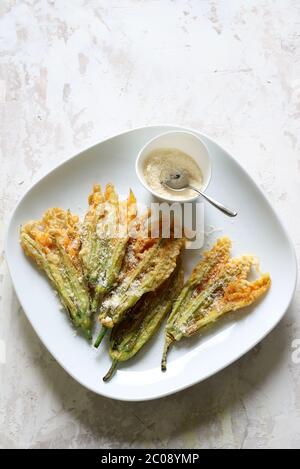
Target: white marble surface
[{"x": 72, "y": 73}]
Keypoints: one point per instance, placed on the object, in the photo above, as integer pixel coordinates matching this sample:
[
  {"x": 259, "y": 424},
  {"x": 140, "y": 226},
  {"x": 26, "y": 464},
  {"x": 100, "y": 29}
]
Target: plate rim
[{"x": 261, "y": 192}]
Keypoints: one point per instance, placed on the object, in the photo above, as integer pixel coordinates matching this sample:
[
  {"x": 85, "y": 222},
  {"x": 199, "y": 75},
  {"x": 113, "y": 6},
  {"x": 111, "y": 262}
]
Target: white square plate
[{"x": 256, "y": 229}]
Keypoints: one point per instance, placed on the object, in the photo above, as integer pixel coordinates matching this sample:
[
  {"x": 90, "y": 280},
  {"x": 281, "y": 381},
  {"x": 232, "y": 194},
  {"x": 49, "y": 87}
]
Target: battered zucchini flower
[
  {"x": 143, "y": 321},
  {"x": 217, "y": 285},
  {"x": 104, "y": 237},
  {"x": 53, "y": 243},
  {"x": 147, "y": 263}
]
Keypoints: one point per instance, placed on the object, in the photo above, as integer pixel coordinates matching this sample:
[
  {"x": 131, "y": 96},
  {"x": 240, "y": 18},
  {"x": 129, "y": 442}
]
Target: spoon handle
[{"x": 226, "y": 210}]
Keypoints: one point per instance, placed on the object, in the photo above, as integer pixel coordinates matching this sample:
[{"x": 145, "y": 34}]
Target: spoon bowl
[{"x": 177, "y": 180}]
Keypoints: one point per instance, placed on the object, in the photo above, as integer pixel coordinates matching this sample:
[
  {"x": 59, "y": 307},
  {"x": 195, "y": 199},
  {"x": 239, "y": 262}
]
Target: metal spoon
[{"x": 178, "y": 181}]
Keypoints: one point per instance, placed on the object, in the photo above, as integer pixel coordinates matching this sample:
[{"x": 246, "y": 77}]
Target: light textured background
[{"x": 74, "y": 72}]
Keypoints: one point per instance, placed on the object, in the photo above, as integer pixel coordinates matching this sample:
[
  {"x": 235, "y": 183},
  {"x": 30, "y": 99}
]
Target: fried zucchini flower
[
  {"x": 104, "y": 237},
  {"x": 53, "y": 243},
  {"x": 217, "y": 285},
  {"x": 147, "y": 263},
  {"x": 143, "y": 321}
]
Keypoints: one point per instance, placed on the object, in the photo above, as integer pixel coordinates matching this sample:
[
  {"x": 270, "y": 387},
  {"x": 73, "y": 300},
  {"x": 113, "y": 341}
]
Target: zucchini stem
[
  {"x": 101, "y": 334},
  {"x": 168, "y": 342},
  {"x": 111, "y": 371}
]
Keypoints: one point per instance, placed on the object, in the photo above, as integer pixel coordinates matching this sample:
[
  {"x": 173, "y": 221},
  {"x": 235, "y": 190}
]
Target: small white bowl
[{"x": 187, "y": 142}]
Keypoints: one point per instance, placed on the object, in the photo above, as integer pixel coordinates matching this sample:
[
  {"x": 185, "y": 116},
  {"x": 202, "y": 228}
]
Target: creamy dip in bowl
[{"x": 171, "y": 152}]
